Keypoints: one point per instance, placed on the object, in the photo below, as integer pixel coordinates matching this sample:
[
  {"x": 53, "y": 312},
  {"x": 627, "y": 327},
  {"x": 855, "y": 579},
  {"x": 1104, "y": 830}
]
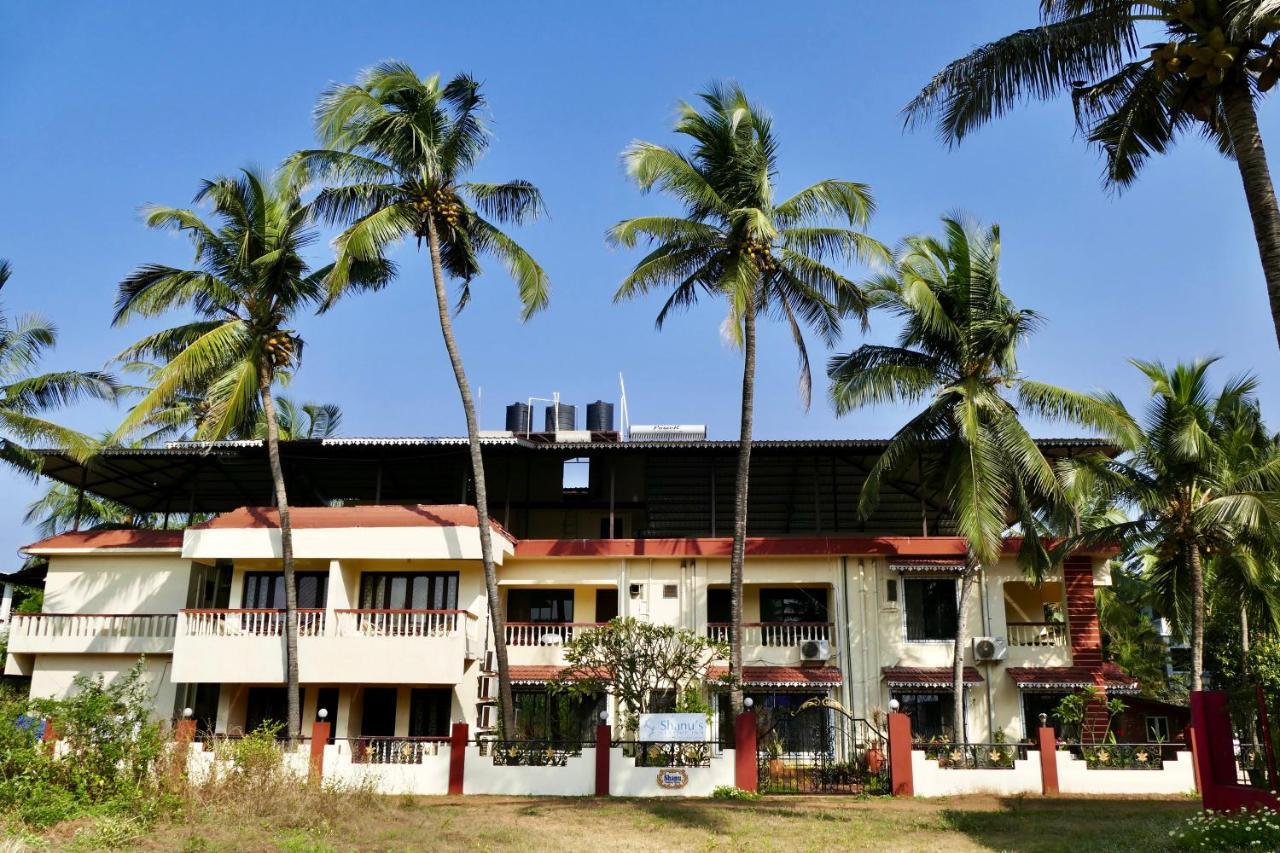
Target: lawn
[{"x": 774, "y": 823}]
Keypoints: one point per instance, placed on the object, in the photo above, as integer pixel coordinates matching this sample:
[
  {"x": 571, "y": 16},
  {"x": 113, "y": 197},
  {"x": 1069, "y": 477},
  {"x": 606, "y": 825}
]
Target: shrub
[
  {"x": 1243, "y": 830},
  {"x": 729, "y": 792}
]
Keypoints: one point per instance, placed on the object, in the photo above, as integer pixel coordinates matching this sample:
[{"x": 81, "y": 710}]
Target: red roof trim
[
  {"x": 86, "y": 539},
  {"x": 927, "y": 676},
  {"x": 539, "y": 674},
  {"x": 788, "y": 676},
  {"x": 943, "y": 548},
  {"x": 1109, "y": 676},
  {"x": 330, "y": 518}
]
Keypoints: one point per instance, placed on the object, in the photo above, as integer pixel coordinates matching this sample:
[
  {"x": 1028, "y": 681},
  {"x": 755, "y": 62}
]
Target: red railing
[
  {"x": 545, "y": 633},
  {"x": 249, "y": 622},
  {"x": 772, "y": 633},
  {"x": 400, "y": 623}
]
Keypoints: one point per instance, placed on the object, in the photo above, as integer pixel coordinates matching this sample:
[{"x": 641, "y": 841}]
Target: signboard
[
  {"x": 672, "y": 728},
  {"x": 673, "y": 778}
]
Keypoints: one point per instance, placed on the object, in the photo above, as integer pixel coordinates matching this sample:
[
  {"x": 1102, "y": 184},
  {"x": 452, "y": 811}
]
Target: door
[
  {"x": 606, "y": 604},
  {"x": 429, "y": 711},
  {"x": 327, "y": 698},
  {"x": 379, "y": 716}
]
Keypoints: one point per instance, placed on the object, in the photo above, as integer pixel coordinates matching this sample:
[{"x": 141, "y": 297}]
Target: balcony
[
  {"x": 1036, "y": 634},
  {"x": 542, "y": 643},
  {"x": 344, "y": 647},
  {"x": 774, "y": 642},
  {"x": 92, "y": 633}
]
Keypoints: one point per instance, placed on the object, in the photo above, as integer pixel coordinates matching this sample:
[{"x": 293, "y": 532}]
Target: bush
[
  {"x": 729, "y": 792},
  {"x": 1243, "y": 830}
]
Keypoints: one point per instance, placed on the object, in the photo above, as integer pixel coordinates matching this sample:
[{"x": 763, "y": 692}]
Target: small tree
[{"x": 633, "y": 660}]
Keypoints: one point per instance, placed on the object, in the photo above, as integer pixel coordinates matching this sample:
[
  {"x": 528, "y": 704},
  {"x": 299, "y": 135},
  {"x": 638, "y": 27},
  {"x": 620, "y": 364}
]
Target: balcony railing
[
  {"x": 772, "y": 633},
  {"x": 90, "y": 625},
  {"x": 249, "y": 623},
  {"x": 545, "y": 633},
  {"x": 1036, "y": 633},
  {"x": 400, "y": 623}
]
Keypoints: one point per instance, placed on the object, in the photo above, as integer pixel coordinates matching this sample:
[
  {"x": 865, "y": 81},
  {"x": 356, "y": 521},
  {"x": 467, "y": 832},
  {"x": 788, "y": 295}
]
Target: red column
[
  {"x": 604, "y": 742},
  {"x": 457, "y": 756},
  {"x": 50, "y": 733},
  {"x": 900, "y": 755},
  {"x": 745, "y": 773},
  {"x": 319, "y": 737},
  {"x": 1048, "y": 762},
  {"x": 185, "y": 731}
]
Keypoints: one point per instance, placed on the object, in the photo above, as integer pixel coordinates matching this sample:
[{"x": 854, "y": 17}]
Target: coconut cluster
[
  {"x": 280, "y": 349},
  {"x": 761, "y": 255}
]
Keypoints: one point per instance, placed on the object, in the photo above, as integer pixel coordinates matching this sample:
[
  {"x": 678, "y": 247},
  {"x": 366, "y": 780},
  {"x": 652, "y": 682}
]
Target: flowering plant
[{"x": 1242, "y": 830}]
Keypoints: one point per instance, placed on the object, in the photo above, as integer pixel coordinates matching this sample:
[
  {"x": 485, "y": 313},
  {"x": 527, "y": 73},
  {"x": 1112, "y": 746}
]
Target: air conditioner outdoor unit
[
  {"x": 815, "y": 650},
  {"x": 490, "y": 665},
  {"x": 487, "y": 687},
  {"x": 486, "y": 716},
  {"x": 989, "y": 649}
]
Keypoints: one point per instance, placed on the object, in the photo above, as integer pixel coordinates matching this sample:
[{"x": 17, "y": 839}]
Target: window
[
  {"x": 540, "y": 605},
  {"x": 429, "y": 711},
  {"x": 930, "y": 610},
  {"x": 662, "y": 701},
  {"x": 606, "y": 604},
  {"x": 1158, "y": 729},
  {"x": 718, "y": 606},
  {"x": 1035, "y": 703},
  {"x": 670, "y": 590},
  {"x": 202, "y": 699},
  {"x": 409, "y": 591},
  {"x": 378, "y": 716},
  {"x": 543, "y": 715},
  {"x": 618, "y": 528},
  {"x": 577, "y": 475},
  {"x": 269, "y": 706},
  {"x": 776, "y": 713},
  {"x": 932, "y": 714},
  {"x": 793, "y": 605},
  {"x": 265, "y": 590},
  {"x": 891, "y": 591}
]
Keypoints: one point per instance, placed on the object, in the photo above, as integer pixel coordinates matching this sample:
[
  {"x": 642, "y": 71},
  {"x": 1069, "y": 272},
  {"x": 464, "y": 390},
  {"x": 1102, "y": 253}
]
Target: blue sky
[{"x": 105, "y": 107}]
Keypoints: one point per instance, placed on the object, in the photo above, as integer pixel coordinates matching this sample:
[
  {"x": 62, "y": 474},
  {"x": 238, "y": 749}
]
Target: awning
[
  {"x": 949, "y": 565},
  {"x": 935, "y": 677},
  {"x": 1110, "y": 677},
  {"x": 526, "y": 675},
  {"x": 782, "y": 676}
]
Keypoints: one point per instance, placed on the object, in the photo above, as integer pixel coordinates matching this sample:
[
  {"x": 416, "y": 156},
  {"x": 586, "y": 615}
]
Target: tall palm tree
[
  {"x": 1193, "y": 499},
  {"x": 398, "y": 150},
  {"x": 305, "y": 421},
  {"x": 25, "y": 396},
  {"x": 247, "y": 287},
  {"x": 760, "y": 256},
  {"x": 957, "y": 354},
  {"x": 1140, "y": 73}
]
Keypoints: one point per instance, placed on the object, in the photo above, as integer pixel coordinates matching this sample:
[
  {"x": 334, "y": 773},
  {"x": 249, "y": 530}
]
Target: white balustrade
[
  {"x": 1036, "y": 633},
  {"x": 399, "y": 623},
  {"x": 545, "y": 633},
  {"x": 253, "y": 623},
  {"x": 772, "y": 633},
  {"x": 89, "y": 625}
]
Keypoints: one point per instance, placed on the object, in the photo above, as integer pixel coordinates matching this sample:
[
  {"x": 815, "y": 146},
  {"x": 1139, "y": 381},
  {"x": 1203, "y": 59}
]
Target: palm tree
[
  {"x": 737, "y": 243},
  {"x": 1194, "y": 499},
  {"x": 957, "y": 353},
  {"x": 398, "y": 152},
  {"x": 1210, "y": 62},
  {"x": 306, "y": 421},
  {"x": 25, "y": 396},
  {"x": 248, "y": 285}
]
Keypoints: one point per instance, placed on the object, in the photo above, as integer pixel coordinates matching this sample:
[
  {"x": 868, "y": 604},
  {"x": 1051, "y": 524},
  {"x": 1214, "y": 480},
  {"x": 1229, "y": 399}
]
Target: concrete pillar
[
  {"x": 1048, "y": 761},
  {"x": 457, "y": 756},
  {"x": 746, "y": 775},
  {"x": 900, "y": 778},
  {"x": 604, "y": 742}
]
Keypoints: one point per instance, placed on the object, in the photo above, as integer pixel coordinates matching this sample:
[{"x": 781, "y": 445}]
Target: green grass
[{"x": 562, "y": 825}]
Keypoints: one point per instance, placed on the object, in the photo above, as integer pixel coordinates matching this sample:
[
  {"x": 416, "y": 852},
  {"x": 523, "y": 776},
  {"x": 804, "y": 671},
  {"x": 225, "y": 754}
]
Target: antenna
[{"x": 626, "y": 418}]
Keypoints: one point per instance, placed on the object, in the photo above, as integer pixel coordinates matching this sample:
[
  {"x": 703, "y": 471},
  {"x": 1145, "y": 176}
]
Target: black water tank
[
  {"x": 600, "y": 416},
  {"x": 519, "y": 418},
  {"x": 567, "y": 420}
]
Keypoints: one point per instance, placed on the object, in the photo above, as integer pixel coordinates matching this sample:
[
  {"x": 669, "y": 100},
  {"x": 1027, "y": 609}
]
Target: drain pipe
[
  {"x": 986, "y": 621},
  {"x": 846, "y": 650}
]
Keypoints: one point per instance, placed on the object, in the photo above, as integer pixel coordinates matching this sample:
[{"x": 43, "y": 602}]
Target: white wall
[
  {"x": 53, "y": 676},
  {"x": 627, "y": 780},
  {"x": 576, "y": 779},
  {"x": 1176, "y": 777},
  {"x": 429, "y": 778},
  {"x": 105, "y": 583},
  {"x": 930, "y": 780}
]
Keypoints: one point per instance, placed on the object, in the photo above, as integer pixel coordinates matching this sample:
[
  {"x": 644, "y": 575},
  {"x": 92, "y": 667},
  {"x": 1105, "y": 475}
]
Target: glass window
[
  {"x": 409, "y": 591},
  {"x": 718, "y": 606},
  {"x": 1035, "y": 703},
  {"x": 930, "y": 608},
  {"x": 606, "y": 604},
  {"x": 781, "y": 722},
  {"x": 540, "y": 605},
  {"x": 932, "y": 714},
  {"x": 793, "y": 605},
  {"x": 265, "y": 590},
  {"x": 542, "y": 715},
  {"x": 1158, "y": 729},
  {"x": 429, "y": 711}
]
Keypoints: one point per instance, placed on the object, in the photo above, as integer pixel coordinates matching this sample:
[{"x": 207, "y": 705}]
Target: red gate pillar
[
  {"x": 745, "y": 773},
  {"x": 319, "y": 737},
  {"x": 604, "y": 742},
  {"x": 457, "y": 756},
  {"x": 900, "y": 755},
  {"x": 1048, "y": 762}
]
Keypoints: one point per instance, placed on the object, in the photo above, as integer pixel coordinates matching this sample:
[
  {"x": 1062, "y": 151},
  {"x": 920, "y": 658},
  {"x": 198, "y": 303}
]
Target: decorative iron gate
[{"x": 822, "y": 749}]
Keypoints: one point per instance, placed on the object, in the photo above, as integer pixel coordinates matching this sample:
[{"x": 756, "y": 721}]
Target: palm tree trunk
[
  {"x": 1197, "y": 618},
  {"x": 505, "y": 699},
  {"x": 738, "y": 555},
  {"x": 1246, "y": 140},
  {"x": 961, "y": 721},
  {"x": 286, "y": 554}
]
